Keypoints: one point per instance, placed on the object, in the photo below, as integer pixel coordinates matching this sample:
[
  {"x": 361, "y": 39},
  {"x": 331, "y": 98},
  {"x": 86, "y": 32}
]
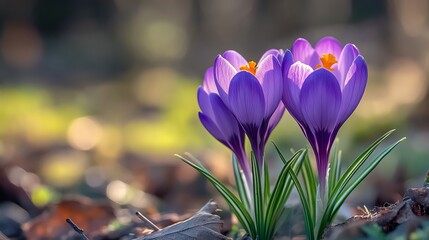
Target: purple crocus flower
[
  {"x": 253, "y": 92},
  {"x": 221, "y": 123},
  {"x": 322, "y": 87}
]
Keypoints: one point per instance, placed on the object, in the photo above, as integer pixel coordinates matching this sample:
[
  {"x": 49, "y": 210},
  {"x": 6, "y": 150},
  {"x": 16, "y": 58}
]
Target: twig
[
  {"x": 150, "y": 224},
  {"x": 76, "y": 229}
]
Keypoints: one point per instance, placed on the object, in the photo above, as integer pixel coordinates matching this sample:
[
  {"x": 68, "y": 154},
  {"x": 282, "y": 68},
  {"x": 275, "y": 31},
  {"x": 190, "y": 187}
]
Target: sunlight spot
[{"x": 84, "y": 133}]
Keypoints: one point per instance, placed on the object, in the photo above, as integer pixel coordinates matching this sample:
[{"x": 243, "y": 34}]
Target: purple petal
[
  {"x": 223, "y": 73},
  {"x": 354, "y": 88},
  {"x": 204, "y": 102},
  {"x": 212, "y": 128},
  {"x": 209, "y": 81},
  {"x": 269, "y": 75},
  {"x": 274, "y": 120},
  {"x": 225, "y": 120},
  {"x": 323, "y": 148},
  {"x": 286, "y": 63},
  {"x": 235, "y": 59},
  {"x": 298, "y": 72},
  {"x": 320, "y": 100},
  {"x": 278, "y": 53},
  {"x": 246, "y": 99},
  {"x": 328, "y": 45},
  {"x": 303, "y": 51},
  {"x": 348, "y": 55}
]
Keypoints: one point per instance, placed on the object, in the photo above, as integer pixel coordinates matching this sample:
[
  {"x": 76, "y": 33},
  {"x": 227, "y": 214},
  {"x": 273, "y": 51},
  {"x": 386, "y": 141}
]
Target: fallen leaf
[
  {"x": 411, "y": 209},
  {"x": 203, "y": 225},
  {"x": 90, "y": 215}
]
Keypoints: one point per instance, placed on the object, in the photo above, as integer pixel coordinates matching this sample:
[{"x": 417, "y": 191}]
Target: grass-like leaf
[
  {"x": 281, "y": 191},
  {"x": 194, "y": 160},
  {"x": 342, "y": 190},
  {"x": 242, "y": 190},
  {"x": 354, "y": 167},
  {"x": 346, "y": 192},
  {"x": 335, "y": 167},
  {"x": 310, "y": 184},
  {"x": 267, "y": 186},
  {"x": 308, "y": 217},
  {"x": 336, "y": 172},
  {"x": 283, "y": 217},
  {"x": 258, "y": 198},
  {"x": 234, "y": 203}
]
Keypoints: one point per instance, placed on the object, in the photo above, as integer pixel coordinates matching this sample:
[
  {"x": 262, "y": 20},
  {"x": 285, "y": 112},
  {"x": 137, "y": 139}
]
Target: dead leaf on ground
[
  {"x": 414, "y": 207},
  {"x": 203, "y": 225},
  {"x": 90, "y": 215}
]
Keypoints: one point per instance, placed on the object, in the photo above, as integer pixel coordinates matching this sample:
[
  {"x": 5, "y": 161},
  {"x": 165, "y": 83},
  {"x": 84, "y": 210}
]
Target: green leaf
[
  {"x": 281, "y": 190},
  {"x": 234, "y": 203},
  {"x": 266, "y": 184},
  {"x": 284, "y": 214},
  {"x": 335, "y": 167},
  {"x": 242, "y": 188},
  {"x": 354, "y": 167},
  {"x": 308, "y": 218},
  {"x": 367, "y": 170},
  {"x": 258, "y": 198},
  {"x": 195, "y": 160},
  {"x": 310, "y": 183},
  {"x": 337, "y": 170},
  {"x": 342, "y": 190}
]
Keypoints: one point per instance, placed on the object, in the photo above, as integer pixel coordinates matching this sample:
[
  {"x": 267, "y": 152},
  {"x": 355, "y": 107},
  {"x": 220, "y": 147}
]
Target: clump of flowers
[
  {"x": 237, "y": 99},
  {"x": 320, "y": 87},
  {"x": 253, "y": 93},
  {"x": 323, "y": 86}
]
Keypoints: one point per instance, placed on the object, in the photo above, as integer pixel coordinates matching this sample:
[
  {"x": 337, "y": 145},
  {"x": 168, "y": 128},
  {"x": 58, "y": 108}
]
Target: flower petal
[
  {"x": 204, "y": 102},
  {"x": 223, "y": 73},
  {"x": 274, "y": 120},
  {"x": 246, "y": 99},
  {"x": 329, "y": 45},
  {"x": 212, "y": 128},
  {"x": 303, "y": 51},
  {"x": 225, "y": 120},
  {"x": 269, "y": 75},
  {"x": 297, "y": 74},
  {"x": 354, "y": 88},
  {"x": 320, "y": 100},
  {"x": 235, "y": 59},
  {"x": 348, "y": 55},
  {"x": 278, "y": 53},
  {"x": 209, "y": 84},
  {"x": 286, "y": 63}
]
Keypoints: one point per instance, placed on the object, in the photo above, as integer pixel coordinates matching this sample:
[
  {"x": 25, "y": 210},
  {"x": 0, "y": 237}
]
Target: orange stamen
[
  {"x": 327, "y": 61},
  {"x": 251, "y": 67}
]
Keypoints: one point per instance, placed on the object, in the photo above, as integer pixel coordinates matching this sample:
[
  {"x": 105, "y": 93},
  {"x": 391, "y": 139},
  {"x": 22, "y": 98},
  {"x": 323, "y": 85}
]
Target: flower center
[
  {"x": 251, "y": 67},
  {"x": 327, "y": 61}
]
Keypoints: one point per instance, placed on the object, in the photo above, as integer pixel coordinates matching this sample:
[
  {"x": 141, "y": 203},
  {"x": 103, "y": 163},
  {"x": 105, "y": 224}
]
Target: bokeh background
[{"x": 97, "y": 96}]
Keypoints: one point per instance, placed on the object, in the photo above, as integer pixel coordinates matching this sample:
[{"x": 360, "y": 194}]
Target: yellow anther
[
  {"x": 327, "y": 61},
  {"x": 251, "y": 67}
]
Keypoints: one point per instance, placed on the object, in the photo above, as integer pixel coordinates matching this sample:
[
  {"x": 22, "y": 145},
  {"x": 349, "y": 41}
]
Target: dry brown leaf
[
  {"x": 203, "y": 225},
  {"x": 412, "y": 208},
  {"x": 89, "y": 215}
]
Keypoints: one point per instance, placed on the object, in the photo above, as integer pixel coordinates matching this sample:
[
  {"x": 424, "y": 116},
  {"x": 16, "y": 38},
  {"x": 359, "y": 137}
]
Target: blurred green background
[{"x": 97, "y": 96}]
